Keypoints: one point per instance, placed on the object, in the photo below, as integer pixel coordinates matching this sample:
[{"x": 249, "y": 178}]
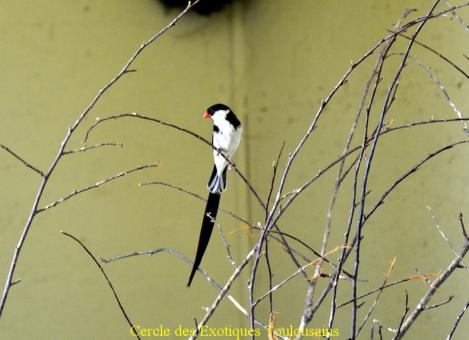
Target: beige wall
[{"x": 272, "y": 62}]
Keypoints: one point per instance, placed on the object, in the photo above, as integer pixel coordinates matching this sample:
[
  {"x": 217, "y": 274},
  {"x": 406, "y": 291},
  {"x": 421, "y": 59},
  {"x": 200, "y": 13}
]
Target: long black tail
[{"x": 205, "y": 231}]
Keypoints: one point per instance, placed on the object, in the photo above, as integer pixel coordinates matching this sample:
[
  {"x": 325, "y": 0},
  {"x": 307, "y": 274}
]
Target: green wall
[{"x": 273, "y": 62}]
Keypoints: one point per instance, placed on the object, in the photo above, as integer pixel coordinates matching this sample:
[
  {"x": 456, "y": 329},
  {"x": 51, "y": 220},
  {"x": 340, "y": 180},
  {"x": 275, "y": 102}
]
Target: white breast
[{"x": 227, "y": 140}]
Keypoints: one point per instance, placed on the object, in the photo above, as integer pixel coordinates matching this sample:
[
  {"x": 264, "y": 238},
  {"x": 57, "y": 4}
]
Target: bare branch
[
  {"x": 381, "y": 326},
  {"x": 460, "y": 70},
  {"x": 461, "y": 221},
  {"x": 274, "y": 175},
  {"x": 375, "y": 302},
  {"x": 431, "y": 291},
  {"x": 458, "y": 17},
  {"x": 86, "y": 148},
  {"x": 375, "y": 290},
  {"x": 291, "y": 276},
  {"x": 423, "y": 122},
  {"x": 225, "y": 242},
  {"x": 438, "y": 227},
  {"x": 376, "y": 322},
  {"x": 380, "y": 201},
  {"x": 442, "y": 89},
  {"x": 270, "y": 276},
  {"x": 456, "y": 322},
  {"x": 25, "y": 163},
  {"x": 190, "y": 193},
  {"x": 16, "y": 282},
  {"x": 136, "y": 115},
  {"x": 436, "y": 305},
  {"x": 266, "y": 252},
  {"x": 222, "y": 293},
  {"x": 101, "y": 269},
  {"x": 95, "y": 186},
  {"x": 403, "y": 315}
]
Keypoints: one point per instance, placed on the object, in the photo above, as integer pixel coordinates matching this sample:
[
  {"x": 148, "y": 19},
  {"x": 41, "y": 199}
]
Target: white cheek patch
[{"x": 220, "y": 114}]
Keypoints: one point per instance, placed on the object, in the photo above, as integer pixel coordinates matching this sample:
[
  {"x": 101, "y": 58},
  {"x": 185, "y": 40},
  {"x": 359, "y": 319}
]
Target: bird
[{"x": 227, "y": 131}]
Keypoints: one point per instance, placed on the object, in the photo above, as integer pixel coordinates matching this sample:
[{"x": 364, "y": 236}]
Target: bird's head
[{"x": 216, "y": 111}]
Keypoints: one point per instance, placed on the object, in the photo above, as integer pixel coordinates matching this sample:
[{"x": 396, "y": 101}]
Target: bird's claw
[{"x": 232, "y": 166}]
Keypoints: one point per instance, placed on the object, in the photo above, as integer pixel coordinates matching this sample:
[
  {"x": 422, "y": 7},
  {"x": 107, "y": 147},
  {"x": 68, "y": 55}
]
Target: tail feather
[
  {"x": 223, "y": 177},
  {"x": 217, "y": 183},
  {"x": 206, "y": 230}
]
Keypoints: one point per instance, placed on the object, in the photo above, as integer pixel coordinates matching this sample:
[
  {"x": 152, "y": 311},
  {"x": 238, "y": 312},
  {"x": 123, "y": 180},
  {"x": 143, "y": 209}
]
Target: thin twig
[
  {"x": 111, "y": 286},
  {"x": 270, "y": 275},
  {"x": 25, "y": 163},
  {"x": 406, "y": 310},
  {"x": 274, "y": 175},
  {"x": 266, "y": 252},
  {"x": 291, "y": 276},
  {"x": 94, "y": 186},
  {"x": 461, "y": 221},
  {"x": 458, "y": 17},
  {"x": 397, "y": 282},
  {"x": 444, "y": 302},
  {"x": 412, "y": 170},
  {"x": 438, "y": 54},
  {"x": 136, "y": 115},
  {"x": 16, "y": 282},
  {"x": 375, "y": 302},
  {"x": 423, "y": 122},
  {"x": 199, "y": 197},
  {"x": 86, "y": 148},
  {"x": 222, "y": 293},
  {"x": 441, "y": 87},
  {"x": 431, "y": 291},
  {"x": 389, "y": 329},
  {"x": 443, "y": 235},
  {"x": 225, "y": 242},
  {"x": 456, "y": 322}
]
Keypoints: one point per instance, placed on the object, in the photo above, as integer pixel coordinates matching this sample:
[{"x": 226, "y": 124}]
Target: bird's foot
[{"x": 232, "y": 166}]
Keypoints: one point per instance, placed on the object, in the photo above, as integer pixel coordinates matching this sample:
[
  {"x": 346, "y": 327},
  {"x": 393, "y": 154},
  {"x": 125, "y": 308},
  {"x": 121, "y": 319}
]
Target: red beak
[{"x": 206, "y": 114}]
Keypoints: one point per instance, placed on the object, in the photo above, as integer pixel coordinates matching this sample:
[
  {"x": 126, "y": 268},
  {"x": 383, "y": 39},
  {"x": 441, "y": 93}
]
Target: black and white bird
[{"x": 227, "y": 132}]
